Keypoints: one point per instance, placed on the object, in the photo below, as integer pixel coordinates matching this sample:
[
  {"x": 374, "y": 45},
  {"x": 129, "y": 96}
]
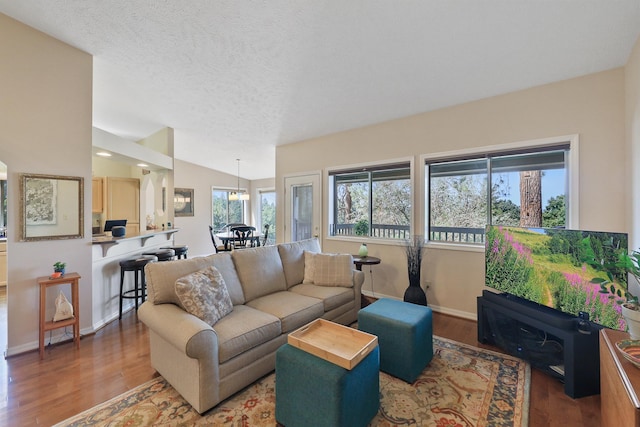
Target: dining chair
[
  {"x": 244, "y": 236},
  {"x": 266, "y": 235},
  {"x": 218, "y": 246}
]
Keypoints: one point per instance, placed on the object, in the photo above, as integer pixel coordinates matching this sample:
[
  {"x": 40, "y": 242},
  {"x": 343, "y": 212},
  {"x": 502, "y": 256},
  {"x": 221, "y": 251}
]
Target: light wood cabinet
[
  {"x": 97, "y": 195},
  {"x": 619, "y": 383},
  {"x": 123, "y": 202}
]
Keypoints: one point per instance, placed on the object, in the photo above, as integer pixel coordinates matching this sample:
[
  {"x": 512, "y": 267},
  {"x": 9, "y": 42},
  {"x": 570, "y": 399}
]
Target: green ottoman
[
  {"x": 405, "y": 336},
  {"x": 312, "y": 392}
]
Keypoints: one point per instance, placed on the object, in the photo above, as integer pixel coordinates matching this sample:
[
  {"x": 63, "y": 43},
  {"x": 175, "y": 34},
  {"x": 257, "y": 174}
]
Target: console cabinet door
[{"x": 123, "y": 202}]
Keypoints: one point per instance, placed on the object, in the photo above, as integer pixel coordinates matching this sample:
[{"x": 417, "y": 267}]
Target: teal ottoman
[
  {"x": 405, "y": 336},
  {"x": 312, "y": 392}
]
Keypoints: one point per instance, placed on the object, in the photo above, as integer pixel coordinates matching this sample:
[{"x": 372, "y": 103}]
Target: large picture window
[
  {"x": 527, "y": 188},
  {"x": 225, "y": 211},
  {"x": 371, "y": 202}
]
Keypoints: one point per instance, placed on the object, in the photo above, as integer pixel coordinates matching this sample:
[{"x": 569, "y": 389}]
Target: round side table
[{"x": 359, "y": 261}]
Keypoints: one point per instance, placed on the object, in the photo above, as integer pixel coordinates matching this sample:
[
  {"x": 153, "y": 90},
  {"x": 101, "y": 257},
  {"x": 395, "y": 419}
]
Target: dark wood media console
[{"x": 561, "y": 345}]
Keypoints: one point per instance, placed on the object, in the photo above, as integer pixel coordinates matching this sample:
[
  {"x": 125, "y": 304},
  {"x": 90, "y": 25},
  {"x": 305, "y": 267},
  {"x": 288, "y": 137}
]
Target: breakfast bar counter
[
  {"x": 107, "y": 241},
  {"x": 107, "y": 253}
]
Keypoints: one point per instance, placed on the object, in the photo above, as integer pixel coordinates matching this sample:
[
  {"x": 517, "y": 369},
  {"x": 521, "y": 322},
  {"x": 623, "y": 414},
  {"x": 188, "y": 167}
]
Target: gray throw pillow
[{"x": 204, "y": 294}]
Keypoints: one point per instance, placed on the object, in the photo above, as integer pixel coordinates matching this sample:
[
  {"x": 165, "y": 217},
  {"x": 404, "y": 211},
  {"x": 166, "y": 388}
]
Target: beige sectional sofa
[{"x": 207, "y": 364}]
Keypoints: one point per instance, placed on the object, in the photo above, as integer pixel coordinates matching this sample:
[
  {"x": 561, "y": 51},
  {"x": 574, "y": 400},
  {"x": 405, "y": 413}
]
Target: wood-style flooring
[{"x": 116, "y": 359}]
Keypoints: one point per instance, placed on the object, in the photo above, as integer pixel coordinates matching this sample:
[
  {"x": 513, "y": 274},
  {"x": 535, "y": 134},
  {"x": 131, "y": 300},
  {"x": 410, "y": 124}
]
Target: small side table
[
  {"x": 359, "y": 261},
  {"x": 45, "y": 282}
]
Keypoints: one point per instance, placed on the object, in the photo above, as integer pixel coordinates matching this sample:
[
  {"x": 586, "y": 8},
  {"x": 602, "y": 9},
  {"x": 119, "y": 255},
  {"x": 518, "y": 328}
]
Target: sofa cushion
[
  {"x": 204, "y": 294},
  {"x": 260, "y": 271},
  {"x": 293, "y": 310},
  {"x": 331, "y": 296},
  {"x": 328, "y": 269},
  {"x": 224, "y": 264},
  {"x": 243, "y": 329},
  {"x": 161, "y": 277},
  {"x": 292, "y": 255}
]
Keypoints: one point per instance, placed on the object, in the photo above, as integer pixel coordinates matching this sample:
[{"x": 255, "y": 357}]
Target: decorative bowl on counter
[{"x": 630, "y": 349}]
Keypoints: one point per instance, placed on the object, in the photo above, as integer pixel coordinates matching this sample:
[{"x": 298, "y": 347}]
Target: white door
[{"x": 303, "y": 210}]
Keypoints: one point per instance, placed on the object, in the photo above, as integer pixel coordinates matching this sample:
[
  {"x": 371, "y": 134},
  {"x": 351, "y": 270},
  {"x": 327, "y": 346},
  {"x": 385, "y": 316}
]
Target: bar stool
[
  {"x": 180, "y": 250},
  {"x": 136, "y": 265},
  {"x": 163, "y": 254}
]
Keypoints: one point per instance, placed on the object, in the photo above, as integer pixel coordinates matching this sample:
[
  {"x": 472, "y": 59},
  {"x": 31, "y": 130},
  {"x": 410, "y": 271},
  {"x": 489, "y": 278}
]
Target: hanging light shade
[{"x": 237, "y": 195}]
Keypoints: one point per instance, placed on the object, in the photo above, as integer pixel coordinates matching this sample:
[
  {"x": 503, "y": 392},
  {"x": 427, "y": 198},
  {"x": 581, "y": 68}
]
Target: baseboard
[{"x": 436, "y": 308}]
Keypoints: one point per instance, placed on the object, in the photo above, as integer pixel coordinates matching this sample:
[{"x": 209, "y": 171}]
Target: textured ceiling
[{"x": 236, "y": 78}]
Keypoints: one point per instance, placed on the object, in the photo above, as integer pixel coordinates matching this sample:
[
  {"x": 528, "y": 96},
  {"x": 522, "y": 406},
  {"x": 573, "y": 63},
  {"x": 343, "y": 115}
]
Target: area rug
[{"x": 463, "y": 386}]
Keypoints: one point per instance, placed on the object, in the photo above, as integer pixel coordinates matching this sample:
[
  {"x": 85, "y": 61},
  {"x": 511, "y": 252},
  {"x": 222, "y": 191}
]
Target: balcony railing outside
[
  {"x": 402, "y": 232},
  {"x": 457, "y": 234}
]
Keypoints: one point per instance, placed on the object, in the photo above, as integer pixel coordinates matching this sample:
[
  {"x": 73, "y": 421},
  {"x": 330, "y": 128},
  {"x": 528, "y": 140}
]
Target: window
[
  {"x": 268, "y": 213},
  {"x": 225, "y": 211},
  {"x": 519, "y": 188},
  {"x": 372, "y": 202}
]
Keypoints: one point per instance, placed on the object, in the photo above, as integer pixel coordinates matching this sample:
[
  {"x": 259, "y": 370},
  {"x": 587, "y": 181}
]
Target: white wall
[
  {"x": 45, "y": 117},
  {"x": 591, "y": 106},
  {"x": 194, "y": 230}
]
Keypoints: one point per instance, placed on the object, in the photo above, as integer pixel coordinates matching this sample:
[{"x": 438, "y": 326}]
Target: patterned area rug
[{"x": 462, "y": 386}]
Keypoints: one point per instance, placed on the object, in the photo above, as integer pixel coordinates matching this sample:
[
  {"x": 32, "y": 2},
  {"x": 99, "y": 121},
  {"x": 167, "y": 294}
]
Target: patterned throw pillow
[
  {"x": 205, "y": 295},
  {"x": 328, "y": 269}
]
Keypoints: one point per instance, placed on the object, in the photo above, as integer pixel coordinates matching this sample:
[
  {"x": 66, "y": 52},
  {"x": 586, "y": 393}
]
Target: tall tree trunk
[
  {"x": 347, "y": 204},
  {"x": 530, "y": 199}
]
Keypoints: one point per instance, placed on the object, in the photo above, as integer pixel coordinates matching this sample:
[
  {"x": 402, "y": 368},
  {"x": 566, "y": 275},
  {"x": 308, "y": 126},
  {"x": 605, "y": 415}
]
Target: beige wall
[
  {"x": 45, "y": 117},
  {"x": 590, "y": 106},
  {"x": 632, "y": 121},
  {"x": 194, "y": 230}
]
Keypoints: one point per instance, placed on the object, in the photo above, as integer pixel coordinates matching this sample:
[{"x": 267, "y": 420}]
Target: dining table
[{"x": 227, "y": 237}]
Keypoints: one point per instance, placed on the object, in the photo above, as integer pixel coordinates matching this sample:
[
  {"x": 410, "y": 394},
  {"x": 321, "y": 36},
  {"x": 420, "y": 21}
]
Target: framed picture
[
  {"x": 183, "y": 201},
  {"x": 52, "y": 207}
]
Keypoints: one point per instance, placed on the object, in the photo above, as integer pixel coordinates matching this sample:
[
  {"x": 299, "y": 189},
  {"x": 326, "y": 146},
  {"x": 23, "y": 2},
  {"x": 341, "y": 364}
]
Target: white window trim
[
  {"x": 258, "y": 198},
  {"x": 377, "y": 163},
  {"x": 573, "y": 176}
]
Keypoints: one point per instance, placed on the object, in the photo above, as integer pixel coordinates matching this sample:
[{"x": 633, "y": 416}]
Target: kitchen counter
[
  {"x": 107, "y": 253},
  {"x": 109, "y": 241}
]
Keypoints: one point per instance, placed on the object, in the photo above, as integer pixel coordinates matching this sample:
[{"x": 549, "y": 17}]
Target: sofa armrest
[
  {"x": 186, "y": 332},
  {"x": 358, "y": 279}
]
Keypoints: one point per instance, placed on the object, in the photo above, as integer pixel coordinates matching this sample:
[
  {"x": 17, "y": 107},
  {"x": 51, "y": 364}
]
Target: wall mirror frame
[{"x": 52, "y": 207}]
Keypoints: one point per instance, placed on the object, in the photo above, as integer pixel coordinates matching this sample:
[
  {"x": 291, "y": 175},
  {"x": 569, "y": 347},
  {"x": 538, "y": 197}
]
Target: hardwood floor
[{"x": 116, "y": 359}]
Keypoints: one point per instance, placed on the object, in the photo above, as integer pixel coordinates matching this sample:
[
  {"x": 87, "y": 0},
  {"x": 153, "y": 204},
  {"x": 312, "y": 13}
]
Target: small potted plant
[
  {"x": 616, "y": 284},
  {"x": 58, "y": 267}
]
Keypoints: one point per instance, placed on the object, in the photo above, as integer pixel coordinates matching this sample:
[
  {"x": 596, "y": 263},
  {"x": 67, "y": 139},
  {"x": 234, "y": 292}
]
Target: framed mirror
[{"x": 52, "y": 207}]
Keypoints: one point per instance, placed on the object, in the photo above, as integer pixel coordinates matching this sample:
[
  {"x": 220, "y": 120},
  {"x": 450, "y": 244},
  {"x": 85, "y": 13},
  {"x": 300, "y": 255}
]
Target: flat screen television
[{"x": 544, "y": 265}]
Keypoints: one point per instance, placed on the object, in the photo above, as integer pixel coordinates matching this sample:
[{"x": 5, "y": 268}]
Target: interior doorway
[{"x": 302, "y": 207}]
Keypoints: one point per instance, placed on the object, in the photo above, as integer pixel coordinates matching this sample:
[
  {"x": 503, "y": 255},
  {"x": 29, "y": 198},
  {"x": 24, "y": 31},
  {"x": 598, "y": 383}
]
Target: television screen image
[{"x": 545, "y": 265}]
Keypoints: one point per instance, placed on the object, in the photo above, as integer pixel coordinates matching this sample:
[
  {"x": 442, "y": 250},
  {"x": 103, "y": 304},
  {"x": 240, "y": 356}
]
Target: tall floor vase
[
  {"x": 414, "y": 249},
  {"x": 414, "y": 293}
]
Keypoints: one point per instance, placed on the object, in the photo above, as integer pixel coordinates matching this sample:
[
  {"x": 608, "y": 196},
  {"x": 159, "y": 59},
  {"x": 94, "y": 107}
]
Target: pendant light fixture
[{"x": 237, "y": 195}]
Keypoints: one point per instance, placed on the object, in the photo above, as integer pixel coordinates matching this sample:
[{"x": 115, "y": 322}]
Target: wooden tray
[{"x": 338, "y": 344}]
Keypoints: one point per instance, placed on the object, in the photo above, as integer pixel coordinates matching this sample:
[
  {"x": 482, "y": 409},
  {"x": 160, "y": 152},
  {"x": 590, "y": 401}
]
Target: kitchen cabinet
[
  {"x": 97, "y": 195},
  {"x": 123, "y": 202}
]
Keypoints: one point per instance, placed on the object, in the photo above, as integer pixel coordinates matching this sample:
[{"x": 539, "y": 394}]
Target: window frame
[
  {"x": 228, "y": 191},
  {"x": 377, "y": 165},
  {"x": 572, "y": 176},
  {"x": 260, "y": 224}
]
